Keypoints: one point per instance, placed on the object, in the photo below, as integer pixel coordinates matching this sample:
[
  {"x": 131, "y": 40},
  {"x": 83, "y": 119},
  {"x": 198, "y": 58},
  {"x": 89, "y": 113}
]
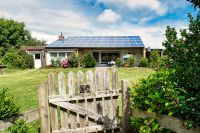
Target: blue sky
[{"x": 146, "y": 18}]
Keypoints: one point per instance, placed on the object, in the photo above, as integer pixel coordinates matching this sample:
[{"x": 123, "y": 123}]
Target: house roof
[
  {"x": 33, "y": 48},
  {"x": 98, "y": 42}
]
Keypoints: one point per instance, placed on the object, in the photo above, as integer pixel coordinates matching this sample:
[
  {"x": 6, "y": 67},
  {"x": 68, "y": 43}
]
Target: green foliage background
[
  {"x": 13, "y": 34},
  {"x": 8, "y": 107},
  {"x": 175, "y": 89}
]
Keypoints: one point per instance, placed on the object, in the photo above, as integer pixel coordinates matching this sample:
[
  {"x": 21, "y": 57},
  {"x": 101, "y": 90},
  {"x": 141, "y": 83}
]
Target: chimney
[{"x": 61, "y": 37}]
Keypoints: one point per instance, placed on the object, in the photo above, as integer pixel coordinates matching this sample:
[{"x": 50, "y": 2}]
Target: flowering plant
[{"x": 64, "y": 63}]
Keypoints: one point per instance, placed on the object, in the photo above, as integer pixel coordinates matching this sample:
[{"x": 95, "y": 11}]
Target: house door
[{"x": 37, "y": 61}]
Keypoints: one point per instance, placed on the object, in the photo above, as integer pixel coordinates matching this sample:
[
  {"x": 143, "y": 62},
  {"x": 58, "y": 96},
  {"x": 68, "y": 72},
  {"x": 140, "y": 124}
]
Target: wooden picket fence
[{"x": 90, "y": 105}]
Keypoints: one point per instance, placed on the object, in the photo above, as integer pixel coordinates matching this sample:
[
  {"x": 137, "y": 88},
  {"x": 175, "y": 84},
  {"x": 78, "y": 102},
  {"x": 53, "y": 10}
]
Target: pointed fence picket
[{"x": 90, "y": 105}]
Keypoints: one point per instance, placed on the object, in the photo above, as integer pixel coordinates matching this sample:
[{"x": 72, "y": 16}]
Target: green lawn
[{"x": 23, "y": 84}]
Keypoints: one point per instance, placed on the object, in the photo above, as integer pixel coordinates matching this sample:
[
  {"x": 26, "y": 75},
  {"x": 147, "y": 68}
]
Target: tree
[
  {"x": 13, "y": 35},
  {"x": 154, "y": 58},
  {"x": 196, "y": 3},
  {"x": 183, "y": 55}
]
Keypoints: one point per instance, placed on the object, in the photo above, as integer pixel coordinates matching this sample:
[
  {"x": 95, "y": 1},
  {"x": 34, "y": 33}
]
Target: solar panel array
[{"x": 98, "y": 42}]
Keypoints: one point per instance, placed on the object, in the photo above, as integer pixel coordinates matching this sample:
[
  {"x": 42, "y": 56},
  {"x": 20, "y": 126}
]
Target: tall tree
[
  {"x": 184, "y": 54},
  {"x": 196, "y": 3},
  {"x": 13, "y": 35}
]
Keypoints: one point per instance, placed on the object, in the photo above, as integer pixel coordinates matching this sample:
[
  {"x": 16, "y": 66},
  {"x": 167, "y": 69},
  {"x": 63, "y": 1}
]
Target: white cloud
[
  {"x": 144, "y": 20},
  {"x": 108, "y": 16},
  {"x": 43, "y": 36},
  {"x": 47, "y": 23},
  {"x": 154, "y": 5}
]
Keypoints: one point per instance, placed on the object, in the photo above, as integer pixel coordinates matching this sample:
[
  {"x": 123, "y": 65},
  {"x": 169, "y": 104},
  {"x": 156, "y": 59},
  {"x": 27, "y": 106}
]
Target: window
[
  {"x": 37, "y": 56},
  {"x": 69, "y": 53},
  {"x": 53, "y": 55},
  {"x": 96, "y": 56},
  {"x": 61, "y": 55},
  {"x": 133, "y": 53},
  {"x": 106, "y": 57}
]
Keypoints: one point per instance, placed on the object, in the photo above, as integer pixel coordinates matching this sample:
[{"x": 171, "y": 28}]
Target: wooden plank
[
  {"x": 78, "y": 116},
  {"x": 88, "y": 129},
  {"x": 106, "y": 101},
  {"x": 80, "y": 110},
  {"x": 43, "y": 106},
  {"x": 126, "y": 111},
  {"x": 59, "y": 98},
  {"x": 115, "y": 98},
  {"x": 114, "y": 79},
  {"x": 72, "y": 90},
  {"x": 99, "y": 87},
  {"x": 106, "y": 80},
  {"x": 62, "y": 92},
  {"x": 80, "y": 78},
  {"x": 90, "y": 102},
  {"x": 53, "y": 109},
  {"x": 90, "y": 80},
  {"x": 81, "y": 103},
  {"x": 71, "y": 83}
]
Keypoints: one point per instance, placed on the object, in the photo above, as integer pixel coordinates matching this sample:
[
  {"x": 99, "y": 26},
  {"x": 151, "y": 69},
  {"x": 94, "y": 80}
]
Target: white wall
[{"x": 37, "y": 62}]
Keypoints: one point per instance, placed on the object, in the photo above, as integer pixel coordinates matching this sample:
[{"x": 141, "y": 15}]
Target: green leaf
[
  {"x": 151, "y": 96},
  {"x": 150, "y": 110},
  {"x": 157, "y": 95},
  {"x": 170, "y": 113},
  {"x": 152, "y": 119},
  {"x": 147, "y": 102},
  {"x": 167, "y": 104},
  {"x": 155, "y": 127},
  {"x": 145, "y": 122}
]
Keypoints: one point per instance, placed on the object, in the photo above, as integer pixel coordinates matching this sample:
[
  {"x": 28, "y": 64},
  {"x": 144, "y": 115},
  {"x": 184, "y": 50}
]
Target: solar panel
[{"x": 98, "y": 41}]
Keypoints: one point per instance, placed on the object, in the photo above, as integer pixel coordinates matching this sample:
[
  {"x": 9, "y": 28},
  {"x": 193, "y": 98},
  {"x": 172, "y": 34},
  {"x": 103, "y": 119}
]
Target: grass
[{"x": 23, "y": 84}]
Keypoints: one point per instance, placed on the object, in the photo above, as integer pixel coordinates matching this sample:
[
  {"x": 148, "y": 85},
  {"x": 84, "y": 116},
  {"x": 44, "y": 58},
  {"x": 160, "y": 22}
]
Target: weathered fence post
[
  {"x": 71, "y": 88},
  {"x": 44, "y": 109},
  {"x": 62, "y": 92},
  {"x": 115, "y": 90},
  {"x": 53, "y": 108},
  {"x": 126, "y": 111},
  {"x": 114, "y": 79}
]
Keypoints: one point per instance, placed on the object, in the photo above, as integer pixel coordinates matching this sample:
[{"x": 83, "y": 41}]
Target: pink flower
[{"x": 64, "y": 63}]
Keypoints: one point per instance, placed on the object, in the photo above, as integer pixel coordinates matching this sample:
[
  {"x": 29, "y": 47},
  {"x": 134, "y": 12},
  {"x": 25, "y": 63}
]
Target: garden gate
[{"x": 90, "y": 105}]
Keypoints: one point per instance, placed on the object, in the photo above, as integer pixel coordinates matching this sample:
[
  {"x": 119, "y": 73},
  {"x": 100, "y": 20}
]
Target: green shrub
[
  {"x": 19, "y": 126},
  {"x": 119, "y": 62},
  {"x": 18, "y": 59},
  {"x": 88, "y": 61},
  {"x": 8, "y": 107},
  {"x": 26, "y": 60},
  {"x": 1, "y": 62},
  {"x": 55, "y": 62},
  {"x": 130, "y": 61},
  {"x": 183, "y": 55},
  {"x": 74, "y": 60},
  {"x": 9, "y": 58},
  {"x": 144, "y": 62},
  {"x": 158, "y": 93},
  {"x": 147, "y": 125},
  {"x": 154, "y": 59}
]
